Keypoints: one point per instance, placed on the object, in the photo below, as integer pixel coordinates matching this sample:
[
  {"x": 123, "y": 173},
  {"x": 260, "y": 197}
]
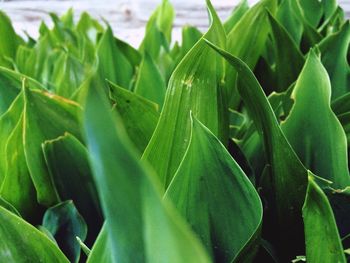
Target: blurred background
[{"x": 127, "y": 17}]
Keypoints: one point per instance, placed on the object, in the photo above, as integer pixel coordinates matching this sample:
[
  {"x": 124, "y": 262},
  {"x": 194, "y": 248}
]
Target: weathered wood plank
[{"x": 127, "y": 17}]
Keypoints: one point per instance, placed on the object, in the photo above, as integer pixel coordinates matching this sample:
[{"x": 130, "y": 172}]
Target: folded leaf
[
  {"x": 236, "y": 15},
  {"x": 334, "y": 50},
  {"x": 210, "y": 190},
  {"x": 150, "y": 83},
  {"x": 195, "y": 86},
  {"x": 101, "y": 251},
  {"x": 46, "y": 117},
  {"x": 21, "y": 242},
  {"x": 113, "y": 65},
  {"x": 288, "y": 173},
  {"x": 288, "y": 59},
  {"x": 9, "y": 43},
  {"x": 65, "y": 223},
  {"x": 139, "y": 115},
  {"x": 250, "y": 33},
  {"x": 17, "y": 187},
  {"x": 158, "y": 30},
  {"x": 312, "y": 128},
  {"x": 67, "y": 162},
  {"x": 321, "y": 234},
  {"x": 8, "y": 122},
  {"x": 141, "y": 227}
]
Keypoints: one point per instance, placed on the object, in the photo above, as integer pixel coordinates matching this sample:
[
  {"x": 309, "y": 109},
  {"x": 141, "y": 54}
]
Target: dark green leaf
[
  {"x": 321, "y": 234},
  {"x": 65, "y": 223},
  {"x": 139, "y": 115},
  {"x": 45, "y": 117},
  {"x": 67, "y": 162},
  {"x": 20, "y": 242},
  {"x": 195, "y": 86},
  {"x": 140, "y": 225},
  {"x": 150, "y": 83},
  {"x": 312, "y": 128},
  {"x": 209, "y": 203}
]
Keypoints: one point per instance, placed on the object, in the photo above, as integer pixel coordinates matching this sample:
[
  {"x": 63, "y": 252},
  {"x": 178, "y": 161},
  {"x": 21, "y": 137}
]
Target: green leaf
[
  {"x": 17, "y": 187},
  {"x": 341, "y": 105},
  {"x": 139, "y": 115},
  {"x": 141, "y": 227},
  {"x": 65, "y": 223},
  {"x": 9, "y": 43},
  {"x": 89, "y": 27},
  {"x": 101, "y": 251},
  {"x": 321, "y": 234},
  {"x": 288, "y": 173},
  {"x": 236, "y": 15},
  {"x": 334, "y": 50},
  {"x": 195, "y": 85},
  {"x": 158, "y": 30},
  {"x": 317, "y": 137},
  {"x": 113, "y": 65},
  {"x": 250, "y": 33},
  {"x": 21, "y": 242},
  {"x": 190, "y": 36},
  {"x": 45, "y": 117},
  {"x": 8, "y": 122},
  {"x": 287, "y": 17},
  {"x": 68, "y": 74},
  {"x": 67, "y": 161},
  {"x": 9, "y": 207},
  {"x": 150, "y": 83},
  {"x": 209, "y": 202},
  {"x": 289, "y": 60}
]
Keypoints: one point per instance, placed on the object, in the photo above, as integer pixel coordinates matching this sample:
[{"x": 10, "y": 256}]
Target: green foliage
[{"x": 230, "y": 146}]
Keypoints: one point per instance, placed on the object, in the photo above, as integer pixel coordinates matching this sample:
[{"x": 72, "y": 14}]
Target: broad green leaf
[
  {"x": 16, "y": 79},
  {"x": 17, "y": 187},
  {"x": 89, "y": 27},
  {"x": 9, "y": 42},
  {"x": 190, "y": 36},
  {"x": 141, "y": 227},
  {"x": 250, "y": 33},
  {"x": 139, "y": 115},
  {"x": 321, "y": 234},
  {"x": 236, "y": 15},
  {"x": 67, "y": 162},
  {"x": 334, "y": 50},
  {"x": 195, "y": 85},
  {"x": 65, "y": 223},
  {"x": 101, "y": 251},
  {"x": 310, "y": 36},
  {"x": 312, "y": 11},
  {"x": 158, "y": 30},
  {"x": 209, "y": 202},
  {"x": 21, "y": 242},
  {"x": 288, "y": 59},
  {"x": 8, "y": 122},
  {"x": 11, "y": 83},
  {"x": 345, "y": 121},
  {"x": 341, "y": 105},
  {"x": 287, "y": 17},
  {"x": 288, "y": 173},
  {"x": 113, "y": 65},
  {"x": 317, "y": 137},
  {"x": 150, "y": 83},
  {"x": 68, "y": 74},
  {"x": 46, "y": 117},
  {"x": 8, "y": 206},
  {"x": 132, "y": 54}
]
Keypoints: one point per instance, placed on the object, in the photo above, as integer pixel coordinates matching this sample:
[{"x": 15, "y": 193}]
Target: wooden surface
[{"x": 127, "y": 17}]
